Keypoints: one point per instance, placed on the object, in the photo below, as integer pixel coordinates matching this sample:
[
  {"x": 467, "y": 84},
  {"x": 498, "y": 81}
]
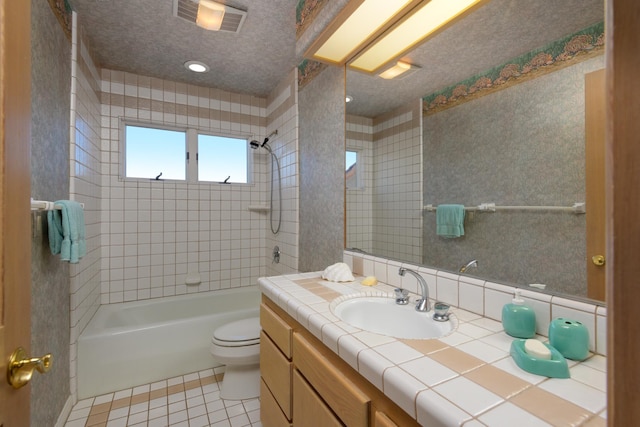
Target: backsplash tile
[
  {"x": 475, "y": 298},
  {"x": 447, "y": 288}
]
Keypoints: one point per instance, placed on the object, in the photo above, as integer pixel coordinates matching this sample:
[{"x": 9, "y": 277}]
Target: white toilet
[{"x": 237, "y": 346}]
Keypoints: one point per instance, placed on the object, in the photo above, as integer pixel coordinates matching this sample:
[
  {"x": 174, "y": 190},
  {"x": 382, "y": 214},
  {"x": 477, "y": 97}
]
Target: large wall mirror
[{"x": 495, "y": 113}]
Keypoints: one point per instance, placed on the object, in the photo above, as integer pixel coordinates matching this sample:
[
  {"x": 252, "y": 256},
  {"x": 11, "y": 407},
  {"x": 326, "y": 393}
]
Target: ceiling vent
[{"x": 231, "y": 23}]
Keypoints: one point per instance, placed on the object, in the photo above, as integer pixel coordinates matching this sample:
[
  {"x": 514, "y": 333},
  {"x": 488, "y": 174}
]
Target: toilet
[{"x": 237, "y": 346}]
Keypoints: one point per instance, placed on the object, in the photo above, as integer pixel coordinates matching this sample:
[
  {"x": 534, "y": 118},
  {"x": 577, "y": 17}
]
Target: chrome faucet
[
  {"x": 472, "y": 263},
  {"x": 423, "y": 303}
]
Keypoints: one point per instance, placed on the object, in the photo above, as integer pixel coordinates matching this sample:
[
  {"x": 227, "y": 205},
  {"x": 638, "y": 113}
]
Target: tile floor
[{"x": 191, "y": 400}]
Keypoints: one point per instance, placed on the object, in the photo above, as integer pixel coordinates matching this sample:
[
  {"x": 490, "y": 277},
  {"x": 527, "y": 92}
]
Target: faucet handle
[
  {"x": 402, "y": 296},
  {"x": 441, "y": 311}
]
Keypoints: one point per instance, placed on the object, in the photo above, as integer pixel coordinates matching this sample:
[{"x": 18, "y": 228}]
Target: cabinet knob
[{"x": 598, "y": 260}]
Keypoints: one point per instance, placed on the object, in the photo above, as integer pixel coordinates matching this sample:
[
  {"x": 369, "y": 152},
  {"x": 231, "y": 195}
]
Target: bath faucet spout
[
  {"x": 423, "y": 303},
  {"x": 472, "y": 263}
]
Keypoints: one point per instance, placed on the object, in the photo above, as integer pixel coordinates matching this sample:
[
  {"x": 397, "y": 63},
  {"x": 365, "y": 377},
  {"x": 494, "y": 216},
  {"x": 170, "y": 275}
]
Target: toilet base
[{"x": 240, "y": 382}]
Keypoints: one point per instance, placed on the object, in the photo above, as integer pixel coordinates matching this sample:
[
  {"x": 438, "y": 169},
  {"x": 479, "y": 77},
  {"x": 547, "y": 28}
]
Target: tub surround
[{"x": 426, "y": 377}]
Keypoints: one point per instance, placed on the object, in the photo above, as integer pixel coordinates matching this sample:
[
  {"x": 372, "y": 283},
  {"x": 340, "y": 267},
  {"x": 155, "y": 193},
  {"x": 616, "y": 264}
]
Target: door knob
[
  {"x": 598, "y": 260},
  {"x": 21, "y": 367}
]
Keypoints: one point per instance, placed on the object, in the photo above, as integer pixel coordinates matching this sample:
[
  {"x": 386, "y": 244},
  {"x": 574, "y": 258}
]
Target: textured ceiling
[{"x": 143, "y": 37}]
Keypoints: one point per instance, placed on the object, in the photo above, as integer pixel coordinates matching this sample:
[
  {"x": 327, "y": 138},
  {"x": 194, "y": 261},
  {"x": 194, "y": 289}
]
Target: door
[
  {"x": 594, "y": 184},
  {"x": 15, "y": 177}
]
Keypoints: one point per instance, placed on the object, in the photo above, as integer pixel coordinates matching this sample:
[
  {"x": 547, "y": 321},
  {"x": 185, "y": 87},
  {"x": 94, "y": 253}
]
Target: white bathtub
[{"x": 140, "y": 342}]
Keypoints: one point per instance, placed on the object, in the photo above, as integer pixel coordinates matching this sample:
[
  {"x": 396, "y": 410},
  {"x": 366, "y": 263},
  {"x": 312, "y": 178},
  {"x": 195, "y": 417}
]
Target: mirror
[{"x": 485, "y": 133}]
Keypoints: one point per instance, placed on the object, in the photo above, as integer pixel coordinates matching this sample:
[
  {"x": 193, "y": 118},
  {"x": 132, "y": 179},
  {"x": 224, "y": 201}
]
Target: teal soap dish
[{"x": 556, "y": 367}]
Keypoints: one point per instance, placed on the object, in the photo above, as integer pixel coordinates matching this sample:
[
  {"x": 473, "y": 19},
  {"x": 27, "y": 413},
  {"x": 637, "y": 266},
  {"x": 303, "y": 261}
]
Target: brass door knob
[
  {"x": 20, "y": 369},
  {"x": 598, "y": 260}
]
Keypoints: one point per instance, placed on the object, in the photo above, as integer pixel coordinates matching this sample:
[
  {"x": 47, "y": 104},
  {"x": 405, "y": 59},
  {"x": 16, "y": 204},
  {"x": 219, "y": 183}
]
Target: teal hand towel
[
  {"x": 67, "y": 231},
  {"x": 450, "y": 221}
]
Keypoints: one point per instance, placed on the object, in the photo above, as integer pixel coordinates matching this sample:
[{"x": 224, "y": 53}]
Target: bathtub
[{"x": 139, "y": 342}]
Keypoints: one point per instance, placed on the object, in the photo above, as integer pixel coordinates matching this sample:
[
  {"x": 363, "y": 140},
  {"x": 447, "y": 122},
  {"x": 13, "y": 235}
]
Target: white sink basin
[{"x": 384, "y": 316}]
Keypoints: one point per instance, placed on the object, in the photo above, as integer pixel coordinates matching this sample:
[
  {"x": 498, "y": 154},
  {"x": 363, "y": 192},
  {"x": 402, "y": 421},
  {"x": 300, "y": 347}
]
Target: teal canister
[
  {"x": 518, "y": 319},
  {"x": 570, "y": 338}
]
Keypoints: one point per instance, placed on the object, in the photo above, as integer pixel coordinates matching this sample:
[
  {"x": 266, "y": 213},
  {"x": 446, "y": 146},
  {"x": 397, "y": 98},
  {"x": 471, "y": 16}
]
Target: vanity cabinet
[
  {"x": 304, "y": 383},
  {"x": 276, "y": 369}
]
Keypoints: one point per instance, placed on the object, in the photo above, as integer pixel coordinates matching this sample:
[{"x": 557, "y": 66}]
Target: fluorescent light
[
  {"x": 196, "y": 66},
  {"x": 357, "y": 28},
  {"x": 400, "y": 69},
  {"x": 210, "y": 15},
  {"x": 423, "y": 21}
]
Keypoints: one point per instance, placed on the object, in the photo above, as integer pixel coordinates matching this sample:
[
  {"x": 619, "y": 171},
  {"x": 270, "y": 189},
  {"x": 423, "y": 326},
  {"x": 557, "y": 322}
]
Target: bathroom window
[
  {"x": 222, "y": 159},
  {"x": 151, "y": 152},
  {"x": 352, "y": 170}
]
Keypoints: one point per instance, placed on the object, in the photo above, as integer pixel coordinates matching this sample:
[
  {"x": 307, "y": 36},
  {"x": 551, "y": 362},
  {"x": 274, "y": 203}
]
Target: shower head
[{"x": 257, "y": 144}]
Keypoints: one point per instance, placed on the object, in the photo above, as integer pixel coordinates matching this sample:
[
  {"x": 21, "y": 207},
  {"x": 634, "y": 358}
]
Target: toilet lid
[{"x": 240, "y": 332}]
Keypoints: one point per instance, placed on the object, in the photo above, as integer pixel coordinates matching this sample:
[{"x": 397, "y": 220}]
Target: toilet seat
[{"x": 240, "y": 333}]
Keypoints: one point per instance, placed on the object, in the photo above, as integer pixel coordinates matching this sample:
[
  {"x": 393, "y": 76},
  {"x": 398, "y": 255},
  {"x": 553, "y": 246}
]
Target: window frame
[
  {"x": 359, "y": 170},
  {"x": 190, "y": 155}
]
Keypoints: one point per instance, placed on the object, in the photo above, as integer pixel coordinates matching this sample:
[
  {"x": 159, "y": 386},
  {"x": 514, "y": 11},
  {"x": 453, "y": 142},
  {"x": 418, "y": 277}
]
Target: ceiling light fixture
[
  {"x": 348, "y": 98},
  {"x": 369, "y": 34},
  {"x": 400, "y": 69},
  {"x": 196, "y": 66},
  {"x": 210, "y": 15},
  {"x": 423, "y": 21},
  {"x": 359, "y": 21}
]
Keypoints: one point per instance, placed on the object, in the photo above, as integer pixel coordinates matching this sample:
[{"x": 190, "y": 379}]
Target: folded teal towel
[
  {"x": 67, "y": 231},
  {"x": 450, "y": 221}
]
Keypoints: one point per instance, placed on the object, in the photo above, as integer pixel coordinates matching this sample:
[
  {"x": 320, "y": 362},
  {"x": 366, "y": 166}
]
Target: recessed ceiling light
[
  {"x": 196, "y": 66},
  {"x": 349, "y": 98}
]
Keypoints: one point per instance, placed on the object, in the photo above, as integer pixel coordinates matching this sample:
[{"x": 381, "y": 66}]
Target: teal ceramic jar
[
  {"x": 518, "y": 319},
  {"x": 570, "y": 338}
]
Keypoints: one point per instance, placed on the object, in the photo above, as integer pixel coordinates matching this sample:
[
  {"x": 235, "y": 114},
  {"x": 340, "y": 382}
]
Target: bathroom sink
[{"x": 384, "y": 316}]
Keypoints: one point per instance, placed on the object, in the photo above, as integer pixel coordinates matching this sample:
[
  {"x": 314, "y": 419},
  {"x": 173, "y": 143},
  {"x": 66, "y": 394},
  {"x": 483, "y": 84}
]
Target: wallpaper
[
  {"x": 50, "y": 103},
  {"x": 520, "y": 146},
  {"x": 321, "y": 141}
]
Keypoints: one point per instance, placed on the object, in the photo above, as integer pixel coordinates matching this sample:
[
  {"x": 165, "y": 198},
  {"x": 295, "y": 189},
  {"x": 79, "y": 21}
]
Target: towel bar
[
  {"x": 577, "y": 208},
  {"x": 42, "y": 205}
]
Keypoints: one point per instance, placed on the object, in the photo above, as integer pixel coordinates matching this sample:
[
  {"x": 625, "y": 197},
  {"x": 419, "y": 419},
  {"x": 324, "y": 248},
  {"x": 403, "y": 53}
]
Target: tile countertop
[{"x": 465, "y": 378}]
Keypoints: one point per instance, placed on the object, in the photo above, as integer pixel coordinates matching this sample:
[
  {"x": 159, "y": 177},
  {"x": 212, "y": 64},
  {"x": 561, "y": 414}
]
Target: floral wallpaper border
[
  {"x": 306, "y": 11},
  {"x": 308, "y": 70},
  {"x": 62, "y": 10},
  {"x": 561, "y": 53}
]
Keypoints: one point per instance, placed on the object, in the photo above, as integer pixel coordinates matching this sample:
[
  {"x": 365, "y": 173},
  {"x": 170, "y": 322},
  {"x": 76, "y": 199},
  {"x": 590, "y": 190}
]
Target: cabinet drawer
[
  {"x": 277, "y": 329},
  {"x": 275, "y": 370},
  {"x": 349, "y": 403},
  {"x": 270, "y": 413},
  {"x": 308, "y": 409},
  {"x": 381, "y": 420}
]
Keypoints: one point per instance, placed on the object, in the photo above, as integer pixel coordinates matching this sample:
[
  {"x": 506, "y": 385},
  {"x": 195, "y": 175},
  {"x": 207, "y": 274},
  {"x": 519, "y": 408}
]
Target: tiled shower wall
[
  {"x": 282, "y": 115},
  {"x": 84, "y": 185},
  {"x": 360, "y": 200},
  {"x": 397, "y": 197},
  {"x": 156, "y": 232}
]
